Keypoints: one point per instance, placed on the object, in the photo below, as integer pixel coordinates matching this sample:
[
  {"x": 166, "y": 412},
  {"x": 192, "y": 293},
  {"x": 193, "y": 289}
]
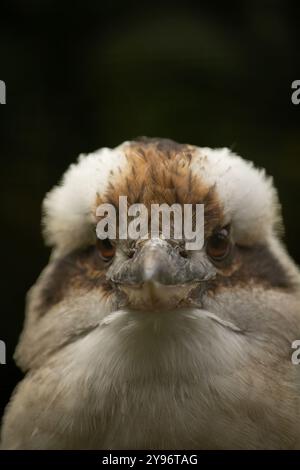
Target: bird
[{"x": 145, "y": 344}]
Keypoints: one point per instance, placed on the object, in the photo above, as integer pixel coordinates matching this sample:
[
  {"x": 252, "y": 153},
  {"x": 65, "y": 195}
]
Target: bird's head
[
  {"x": 239, "y": 260},
  {"x": 150, "y": 271}
]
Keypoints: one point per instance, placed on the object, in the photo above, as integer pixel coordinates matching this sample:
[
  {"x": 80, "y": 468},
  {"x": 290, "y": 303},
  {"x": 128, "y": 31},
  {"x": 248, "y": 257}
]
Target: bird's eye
[
  {"x": 219, "y": 245},
  {"x": 106, "y": 249}
]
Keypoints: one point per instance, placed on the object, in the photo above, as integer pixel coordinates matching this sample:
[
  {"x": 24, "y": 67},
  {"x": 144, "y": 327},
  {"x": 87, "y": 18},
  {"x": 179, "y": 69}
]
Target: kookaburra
[{"x": 192, "y": 353}]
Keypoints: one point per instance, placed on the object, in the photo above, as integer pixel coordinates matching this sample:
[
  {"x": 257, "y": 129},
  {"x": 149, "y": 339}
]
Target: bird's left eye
[
  {"x": 106, "y": 249},
  {"x": 219, "y": 245}
]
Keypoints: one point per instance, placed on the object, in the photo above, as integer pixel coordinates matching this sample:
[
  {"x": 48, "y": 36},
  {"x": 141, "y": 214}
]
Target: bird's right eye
[{"x": 105, "y": 249}]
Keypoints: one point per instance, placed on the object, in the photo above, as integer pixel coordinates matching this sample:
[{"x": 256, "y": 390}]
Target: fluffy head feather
[{"x": 244, "y": 195}]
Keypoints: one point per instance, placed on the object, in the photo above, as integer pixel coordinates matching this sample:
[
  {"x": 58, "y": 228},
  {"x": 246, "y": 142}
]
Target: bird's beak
[{"x": 157, "y": 261}]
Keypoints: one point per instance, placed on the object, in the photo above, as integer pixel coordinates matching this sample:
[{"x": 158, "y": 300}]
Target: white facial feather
[
  {"x": 68, "y": 218},
  {"x": 249, "y": 199}
]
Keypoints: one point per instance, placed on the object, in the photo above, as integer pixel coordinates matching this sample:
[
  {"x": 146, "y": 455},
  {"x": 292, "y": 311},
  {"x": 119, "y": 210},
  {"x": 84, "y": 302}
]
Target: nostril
[
  {"x": 131, "y": 253},
  {"x": 180, "y": 251},
  {"x": 183, "y": 254}
]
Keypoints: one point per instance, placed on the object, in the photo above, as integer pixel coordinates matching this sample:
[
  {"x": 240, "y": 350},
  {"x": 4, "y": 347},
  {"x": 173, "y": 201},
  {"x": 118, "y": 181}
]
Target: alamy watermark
[
  {"x": 185, "y": 222},
  {"x": 296, "y": 94},
  {"x": 2, "y": 92},
  {"x": 296, "y": 354},
  {"x": 2, "y": 352}
]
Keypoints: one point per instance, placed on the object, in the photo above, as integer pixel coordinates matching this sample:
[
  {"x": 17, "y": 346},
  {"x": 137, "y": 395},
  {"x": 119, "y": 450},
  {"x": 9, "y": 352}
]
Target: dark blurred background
[{"x": 82, "y": 75}]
